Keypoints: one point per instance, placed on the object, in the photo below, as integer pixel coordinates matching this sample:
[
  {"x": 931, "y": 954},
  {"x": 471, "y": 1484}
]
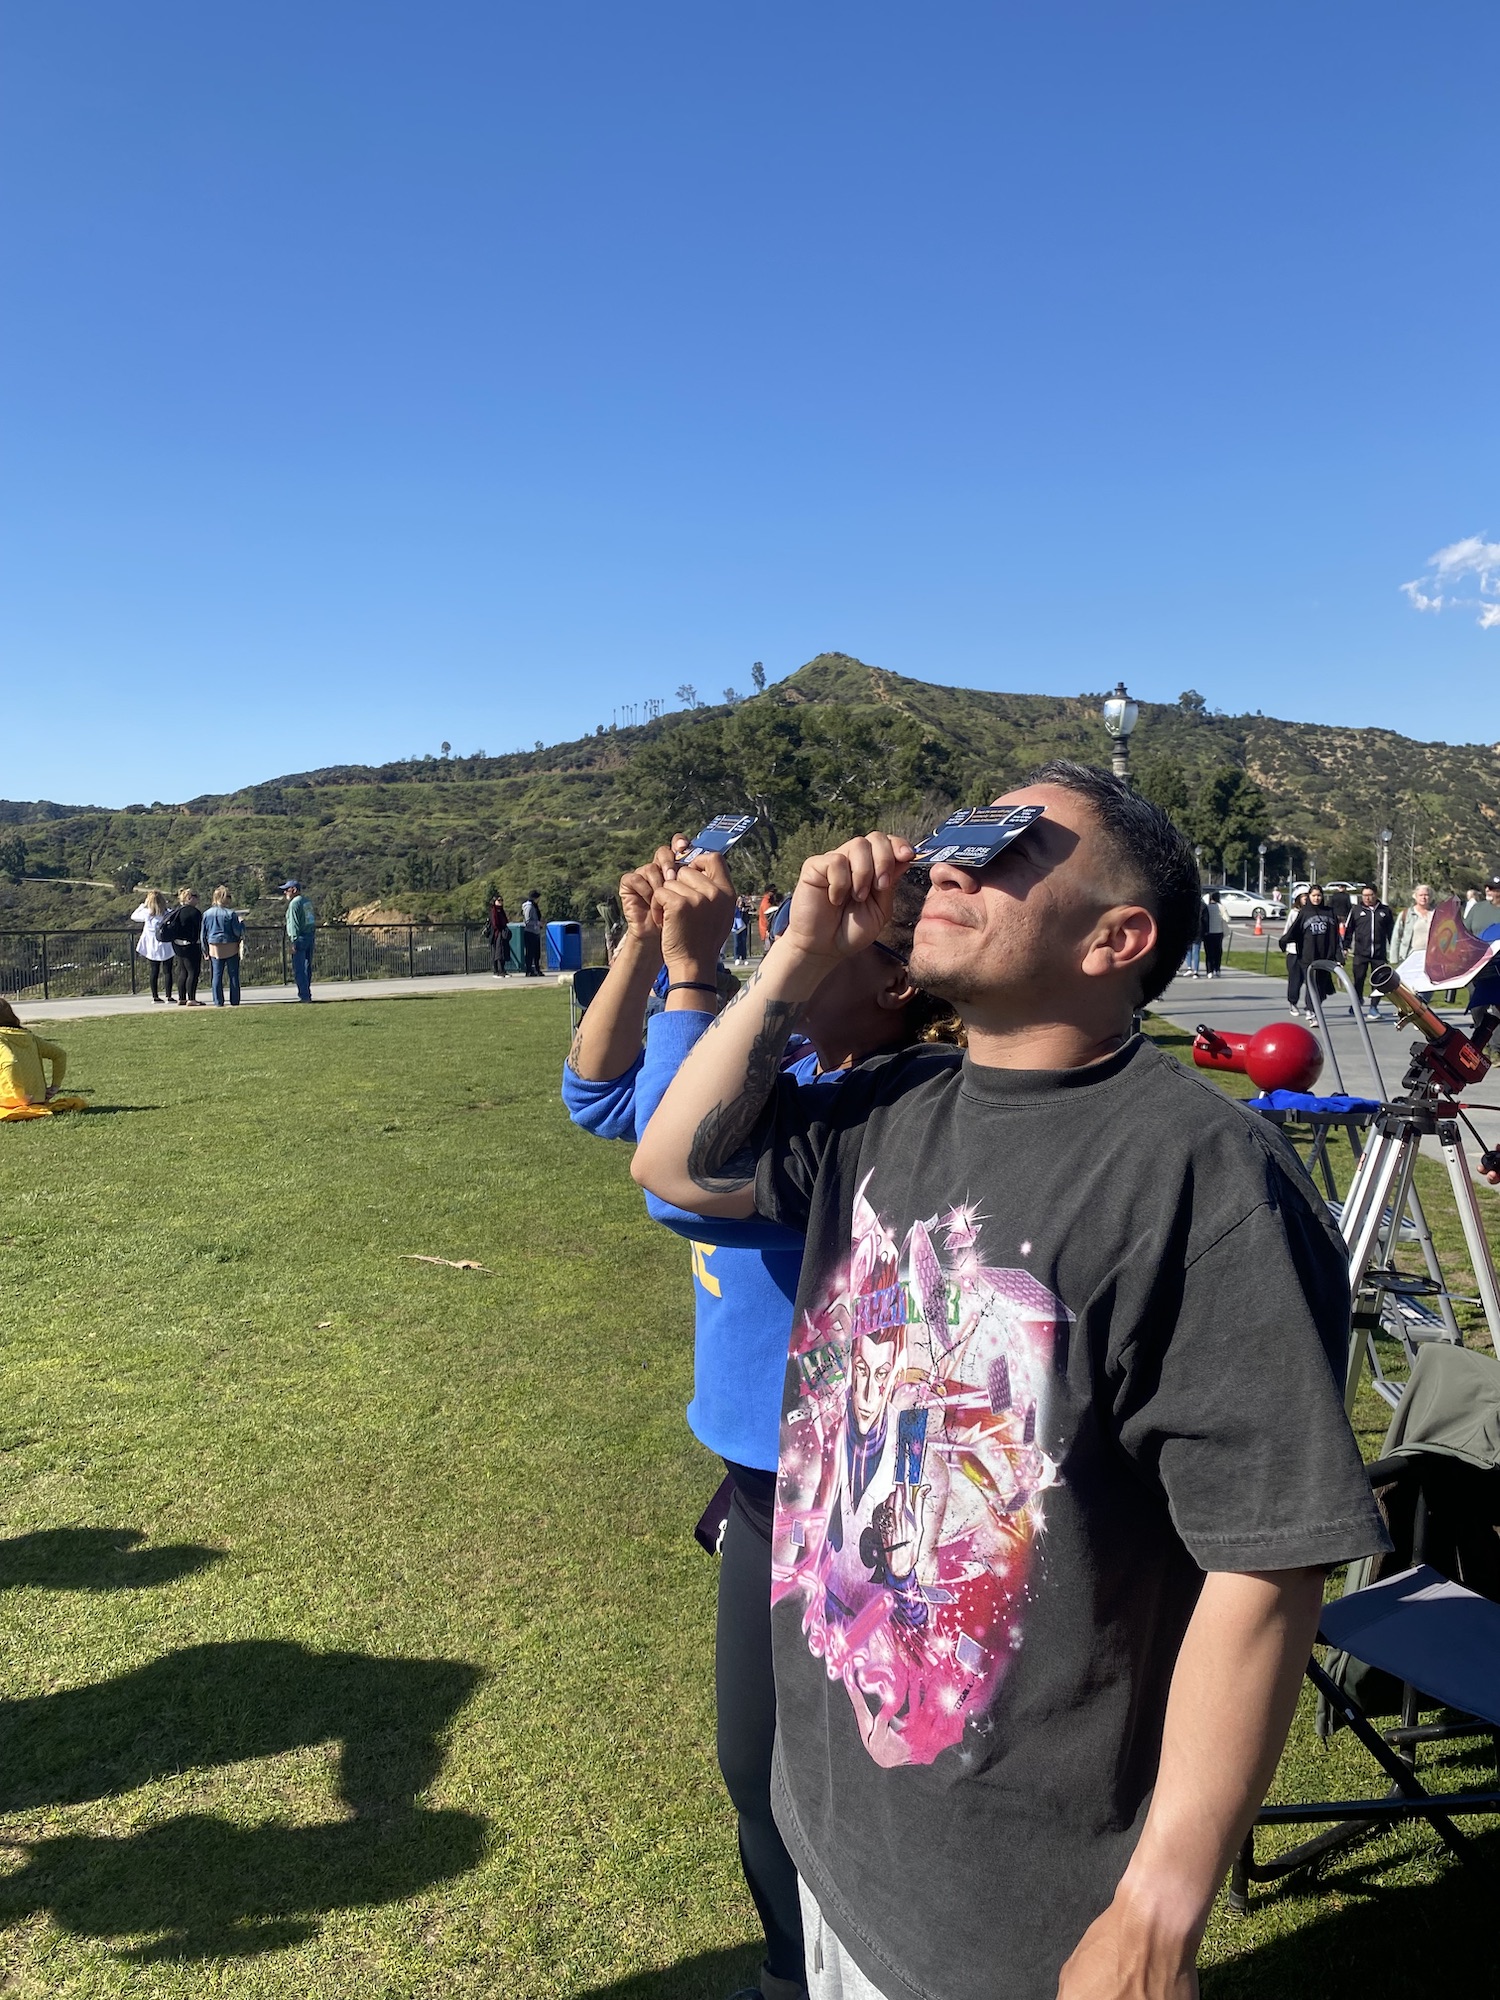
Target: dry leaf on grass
[
  {"x": 453, "y": 1263},
  {"x": 322, "y": 1323}
]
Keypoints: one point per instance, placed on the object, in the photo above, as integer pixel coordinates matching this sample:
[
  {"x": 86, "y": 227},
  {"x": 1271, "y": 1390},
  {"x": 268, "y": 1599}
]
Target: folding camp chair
[
  {"x": 581, "y": 990},
  {"x": 1425, "y": 1637}
]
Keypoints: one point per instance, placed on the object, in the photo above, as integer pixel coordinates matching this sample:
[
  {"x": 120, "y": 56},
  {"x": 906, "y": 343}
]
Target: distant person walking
[
  {"x": 184, "y": 926},
  {"x": 1315, "y": 933},
  {"x": 1287, "y": 945},
  {"x": 531, "y": 936},
  {"x": 151, "y": 945},
  {"x": 1367, "y": 938},
  {"x": 739, "y": 930},
  {"x": 224, "y": 934},
  {"x": 499, "y": 937},
  {"x": 1215, "y": 929},
  {"x": 24, "y": 1089},
  {"x": 301, "y": 929}
]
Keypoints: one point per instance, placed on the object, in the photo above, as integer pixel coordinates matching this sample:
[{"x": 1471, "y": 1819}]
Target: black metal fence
[{"x": 76, "y": 965}]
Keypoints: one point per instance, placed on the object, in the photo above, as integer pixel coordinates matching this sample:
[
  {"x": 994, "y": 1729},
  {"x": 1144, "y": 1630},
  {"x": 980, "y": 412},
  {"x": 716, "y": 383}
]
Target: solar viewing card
[
  {"x": 972, "y": 838},
  {"x": 720, "y": 834}
]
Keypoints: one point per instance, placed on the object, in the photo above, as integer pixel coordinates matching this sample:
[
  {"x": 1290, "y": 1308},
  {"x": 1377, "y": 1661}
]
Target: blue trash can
[{"x": 565, "y": 947}]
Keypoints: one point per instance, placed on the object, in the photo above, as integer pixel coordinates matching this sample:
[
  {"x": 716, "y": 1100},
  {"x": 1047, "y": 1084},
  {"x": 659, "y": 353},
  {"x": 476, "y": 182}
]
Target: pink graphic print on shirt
[{"x": 910, "y": 1491}]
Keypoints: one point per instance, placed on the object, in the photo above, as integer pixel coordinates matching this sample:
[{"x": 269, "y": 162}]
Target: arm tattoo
[{"x": 721, "y": 1159}]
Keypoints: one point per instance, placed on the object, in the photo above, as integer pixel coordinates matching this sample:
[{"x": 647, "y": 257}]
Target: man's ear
[{"x": 1122, "y": 940}]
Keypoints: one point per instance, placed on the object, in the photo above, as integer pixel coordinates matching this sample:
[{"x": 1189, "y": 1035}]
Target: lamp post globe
[{"x": 1120, "y": 714}]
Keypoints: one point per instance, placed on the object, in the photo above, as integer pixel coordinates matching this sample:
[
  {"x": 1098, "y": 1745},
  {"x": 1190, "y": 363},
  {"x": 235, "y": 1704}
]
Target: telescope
[{"x": 1456, "y": 1060}]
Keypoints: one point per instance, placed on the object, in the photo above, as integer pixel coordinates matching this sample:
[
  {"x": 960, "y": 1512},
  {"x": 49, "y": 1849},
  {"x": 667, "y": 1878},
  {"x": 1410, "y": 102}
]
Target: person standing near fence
[
  {"x": 224, "y": 934},
  {"x": 531, "y": 936},
  {"x": 1215, "y": 927},
  {"x": 151, "y": 945},
  {"x": 184, "y": 926},
  {"x": 301, "y": 928},
  {"x": 499, "y": 936}
]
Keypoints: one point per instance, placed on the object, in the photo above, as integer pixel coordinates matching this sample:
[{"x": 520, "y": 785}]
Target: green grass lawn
[{"x": 354, "y": 1638}]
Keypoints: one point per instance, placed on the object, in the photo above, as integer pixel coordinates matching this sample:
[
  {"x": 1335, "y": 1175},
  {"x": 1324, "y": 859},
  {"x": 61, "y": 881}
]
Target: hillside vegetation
[{"x": 837, "y": 746}]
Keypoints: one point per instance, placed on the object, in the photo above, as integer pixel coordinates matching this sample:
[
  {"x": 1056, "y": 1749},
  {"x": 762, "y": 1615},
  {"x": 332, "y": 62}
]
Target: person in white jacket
[{"x": 151, "y": 945}]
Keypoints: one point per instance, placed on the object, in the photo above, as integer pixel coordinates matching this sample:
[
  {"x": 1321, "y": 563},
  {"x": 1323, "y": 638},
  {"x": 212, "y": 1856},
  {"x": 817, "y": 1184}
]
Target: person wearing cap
[{"x": 301, "y": 927}]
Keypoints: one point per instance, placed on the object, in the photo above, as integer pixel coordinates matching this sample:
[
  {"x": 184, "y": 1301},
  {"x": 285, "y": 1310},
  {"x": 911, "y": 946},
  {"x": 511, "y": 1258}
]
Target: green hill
[{"x": 837, "y": 746}]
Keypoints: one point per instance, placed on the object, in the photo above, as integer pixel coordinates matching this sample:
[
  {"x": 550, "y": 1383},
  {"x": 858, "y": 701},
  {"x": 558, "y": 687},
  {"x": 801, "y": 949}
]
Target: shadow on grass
[
  {"x": 199, "y": 1887},
  {"x": 1380, "y": 1942},
  {"x": 95, "y": 1559},
  {"x": 710, "y": 1976}
]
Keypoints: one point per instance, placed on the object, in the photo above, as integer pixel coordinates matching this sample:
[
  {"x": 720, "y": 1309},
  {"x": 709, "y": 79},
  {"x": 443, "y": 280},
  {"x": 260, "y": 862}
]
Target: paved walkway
[
  {"x": 1241, "y": 1002},
  {"x": 278, "y": 996}
]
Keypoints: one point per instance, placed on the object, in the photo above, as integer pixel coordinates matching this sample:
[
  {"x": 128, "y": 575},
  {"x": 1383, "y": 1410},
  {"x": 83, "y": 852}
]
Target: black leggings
[
  {"x": 746, "y": 1695},
  {"x": 1213, "y": 951},
  {"x": 189, "y": 965},
  {"x": 158, "y": 967}
]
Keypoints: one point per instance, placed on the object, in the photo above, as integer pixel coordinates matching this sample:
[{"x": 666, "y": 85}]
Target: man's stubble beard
[{"x": 958, "y": 984}]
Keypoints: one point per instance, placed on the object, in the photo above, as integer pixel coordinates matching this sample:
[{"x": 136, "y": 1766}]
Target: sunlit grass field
[{"x": 354, "y": 1639}]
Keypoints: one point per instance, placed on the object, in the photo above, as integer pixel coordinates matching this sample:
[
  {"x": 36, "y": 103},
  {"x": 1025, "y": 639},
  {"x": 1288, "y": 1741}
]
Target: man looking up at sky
[{"x": 1057, "y": 1488}]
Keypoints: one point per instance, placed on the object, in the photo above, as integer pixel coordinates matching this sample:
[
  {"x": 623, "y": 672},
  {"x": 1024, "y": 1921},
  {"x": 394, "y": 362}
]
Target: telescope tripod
[{"x": 1381, "y": 1202}]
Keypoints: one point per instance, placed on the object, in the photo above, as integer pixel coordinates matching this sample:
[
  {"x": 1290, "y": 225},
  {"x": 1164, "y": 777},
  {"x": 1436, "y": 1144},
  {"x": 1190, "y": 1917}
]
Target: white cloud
[{"x": 1472, "y": 562}]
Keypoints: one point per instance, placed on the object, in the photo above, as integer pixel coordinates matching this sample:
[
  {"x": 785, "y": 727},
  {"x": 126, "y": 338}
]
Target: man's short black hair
[{"x": 1157, "y": 865}]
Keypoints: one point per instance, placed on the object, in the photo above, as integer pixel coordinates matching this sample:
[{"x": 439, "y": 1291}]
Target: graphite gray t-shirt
[{"x": 1064, "y": 1340}]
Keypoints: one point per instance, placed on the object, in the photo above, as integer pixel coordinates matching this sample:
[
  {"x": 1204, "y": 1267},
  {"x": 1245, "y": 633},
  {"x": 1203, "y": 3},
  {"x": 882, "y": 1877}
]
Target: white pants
[{"x": 831, "y": 1972}]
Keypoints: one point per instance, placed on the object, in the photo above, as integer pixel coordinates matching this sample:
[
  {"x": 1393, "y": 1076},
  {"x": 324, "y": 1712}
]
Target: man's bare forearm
[
  {"x": 1234, "y": 1690},
  {"x": 697, "y": 1152}
]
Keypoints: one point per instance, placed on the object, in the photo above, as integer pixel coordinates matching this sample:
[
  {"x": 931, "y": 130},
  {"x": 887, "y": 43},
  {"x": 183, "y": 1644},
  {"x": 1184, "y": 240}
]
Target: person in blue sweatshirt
[{"x": 678, "y": 918}]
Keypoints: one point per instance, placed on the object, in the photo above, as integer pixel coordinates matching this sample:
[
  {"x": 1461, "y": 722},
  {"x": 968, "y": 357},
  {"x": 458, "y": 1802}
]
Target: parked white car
[{"x": 1241, "y": 906}]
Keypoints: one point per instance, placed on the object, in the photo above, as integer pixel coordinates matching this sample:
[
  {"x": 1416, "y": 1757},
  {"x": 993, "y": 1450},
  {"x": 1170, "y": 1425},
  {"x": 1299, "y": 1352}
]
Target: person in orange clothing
[
  {"x": 770, "y": 902},
  {"x": 24, "y": 1090}
]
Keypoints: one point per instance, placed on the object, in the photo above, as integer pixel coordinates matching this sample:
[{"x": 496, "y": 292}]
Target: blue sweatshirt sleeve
[{"x": 607, "y": 1109}]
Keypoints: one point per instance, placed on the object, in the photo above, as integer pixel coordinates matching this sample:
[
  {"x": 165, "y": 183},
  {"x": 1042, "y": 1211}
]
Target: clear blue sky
[{"x": 374, "y": 374}]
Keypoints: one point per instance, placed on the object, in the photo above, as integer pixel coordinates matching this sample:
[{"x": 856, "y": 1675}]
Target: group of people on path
[
  {"x": 174, "y": 937},
  {"x": 968, "y": 1251},
  {"x": 532, "y": 927},
  {"x": 1322, "y": 929}
]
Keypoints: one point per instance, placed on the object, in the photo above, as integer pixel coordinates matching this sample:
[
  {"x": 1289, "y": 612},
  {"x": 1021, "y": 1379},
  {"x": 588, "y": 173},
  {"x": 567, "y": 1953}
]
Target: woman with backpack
[
  {"x": 151, "y": 945},
  {"x": 184, "y": 926}
]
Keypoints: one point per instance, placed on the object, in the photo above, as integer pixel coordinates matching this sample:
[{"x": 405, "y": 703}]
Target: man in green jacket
[{"x": 301, "y": 924}]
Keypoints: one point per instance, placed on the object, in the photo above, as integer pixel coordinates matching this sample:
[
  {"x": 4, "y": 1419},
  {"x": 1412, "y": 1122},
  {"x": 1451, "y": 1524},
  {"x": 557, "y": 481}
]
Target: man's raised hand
[{"x": 842, "y": 901}]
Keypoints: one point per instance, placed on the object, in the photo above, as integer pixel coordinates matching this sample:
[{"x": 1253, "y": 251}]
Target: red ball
[{"x": 1284, "y": 1056}]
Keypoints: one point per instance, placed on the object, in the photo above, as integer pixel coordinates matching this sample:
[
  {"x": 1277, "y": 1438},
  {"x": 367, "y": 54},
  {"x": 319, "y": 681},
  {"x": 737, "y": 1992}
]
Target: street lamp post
[
  {"x": 1385, "y": 864},
  {"x": 1262, "y": 851},
  {"x": 1198, "y": 857},
  {"x": 1120, "y": 713}
]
